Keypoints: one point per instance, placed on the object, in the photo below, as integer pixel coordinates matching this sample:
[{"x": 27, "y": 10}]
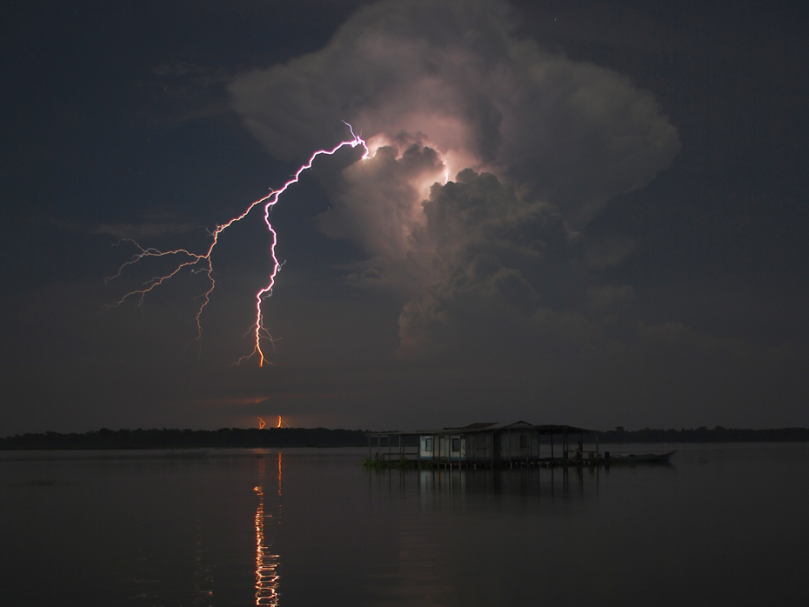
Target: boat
[{"x": 644, "y": 458}]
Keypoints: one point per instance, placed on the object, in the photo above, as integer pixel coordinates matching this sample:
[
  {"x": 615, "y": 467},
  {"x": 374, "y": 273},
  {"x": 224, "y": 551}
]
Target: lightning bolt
[
  {"x": 201, "y": 262},
  {"x": 261, "y": 424}
]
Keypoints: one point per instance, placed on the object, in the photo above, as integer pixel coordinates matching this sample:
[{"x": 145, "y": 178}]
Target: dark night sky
[{"x": 628, "y": 248}]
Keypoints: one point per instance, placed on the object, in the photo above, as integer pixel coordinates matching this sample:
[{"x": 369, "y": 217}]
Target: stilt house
[{"x": 479, "y": 443}]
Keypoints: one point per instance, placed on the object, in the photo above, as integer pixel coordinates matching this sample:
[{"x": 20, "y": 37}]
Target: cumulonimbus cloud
[
  {"x": 456, "y": 74},
  {"x": 445, "y": 88}
]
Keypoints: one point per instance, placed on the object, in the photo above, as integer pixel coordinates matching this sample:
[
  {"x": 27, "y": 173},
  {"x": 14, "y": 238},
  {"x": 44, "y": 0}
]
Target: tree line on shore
[
  {"x": 166, "y": 438},
  {"x": 717, "y": 434}
]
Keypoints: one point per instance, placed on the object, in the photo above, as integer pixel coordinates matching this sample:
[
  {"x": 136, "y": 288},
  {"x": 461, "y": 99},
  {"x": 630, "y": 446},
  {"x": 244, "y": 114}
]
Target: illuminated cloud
[
  {"x": 504, "y": 271},
  {"x": 380, "y": 199},
  {"x": 533, "y": 145},
  {"x": 455, "y": 75}
]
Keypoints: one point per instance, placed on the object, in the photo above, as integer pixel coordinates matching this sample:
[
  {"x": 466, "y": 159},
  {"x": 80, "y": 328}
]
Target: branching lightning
[{"x": 201, "y": 262}]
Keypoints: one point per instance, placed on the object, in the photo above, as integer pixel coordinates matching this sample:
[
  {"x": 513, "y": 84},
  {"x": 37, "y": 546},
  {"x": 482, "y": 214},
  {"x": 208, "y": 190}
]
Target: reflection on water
[
  {"x": 266, "y": 562},
  {"x": 724, "y": 525},
  {"x": 203, "y": 572},
  {"x": 574, "y": 482}
]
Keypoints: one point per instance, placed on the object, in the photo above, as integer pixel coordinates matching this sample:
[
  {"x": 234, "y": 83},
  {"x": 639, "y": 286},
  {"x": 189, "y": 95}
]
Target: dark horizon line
[{"x": 324, "y": 437}]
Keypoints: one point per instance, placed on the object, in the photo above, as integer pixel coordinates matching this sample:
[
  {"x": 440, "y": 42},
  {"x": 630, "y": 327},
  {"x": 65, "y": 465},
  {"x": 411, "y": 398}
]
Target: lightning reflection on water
[{"x": 267, "y": 578}]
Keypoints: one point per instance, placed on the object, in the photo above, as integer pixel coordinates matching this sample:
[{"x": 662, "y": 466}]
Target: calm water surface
[{"x": 722, "y": 525}]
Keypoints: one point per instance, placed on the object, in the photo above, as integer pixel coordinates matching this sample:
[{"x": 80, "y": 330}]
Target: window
[
  {"x": 428, "y": 443},
  {"x": 523, "y": 441},
  {"x": 456, "y": 445}
]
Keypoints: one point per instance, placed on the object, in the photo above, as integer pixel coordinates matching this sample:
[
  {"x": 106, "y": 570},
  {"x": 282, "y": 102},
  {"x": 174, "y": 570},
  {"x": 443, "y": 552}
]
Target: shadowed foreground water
[{"x": 722, "y": 525}]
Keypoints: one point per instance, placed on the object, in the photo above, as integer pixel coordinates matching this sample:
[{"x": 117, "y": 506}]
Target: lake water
[{"x": 721, "y": 525}]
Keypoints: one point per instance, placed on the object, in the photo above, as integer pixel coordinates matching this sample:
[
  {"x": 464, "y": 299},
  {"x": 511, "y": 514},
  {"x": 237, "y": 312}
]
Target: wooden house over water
[{"x": 482, "y": 443}]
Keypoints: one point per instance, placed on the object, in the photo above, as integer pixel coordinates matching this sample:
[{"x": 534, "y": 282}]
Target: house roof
[{"x": 476, "y": 426}]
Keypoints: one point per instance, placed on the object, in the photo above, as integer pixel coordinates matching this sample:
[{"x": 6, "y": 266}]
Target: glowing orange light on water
[{"x": 267, "y": 563}]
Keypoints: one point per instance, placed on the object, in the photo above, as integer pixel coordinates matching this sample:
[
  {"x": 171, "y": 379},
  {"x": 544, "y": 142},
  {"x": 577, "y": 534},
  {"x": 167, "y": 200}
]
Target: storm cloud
[
  {"x": 489, "y": 154},
  {"x": 490, "y": 157},
  {"x": 456, "y": 76}
]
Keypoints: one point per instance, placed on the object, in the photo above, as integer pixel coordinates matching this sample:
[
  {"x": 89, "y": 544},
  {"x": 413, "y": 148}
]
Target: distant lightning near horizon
[{"x": 201, "y": 263}]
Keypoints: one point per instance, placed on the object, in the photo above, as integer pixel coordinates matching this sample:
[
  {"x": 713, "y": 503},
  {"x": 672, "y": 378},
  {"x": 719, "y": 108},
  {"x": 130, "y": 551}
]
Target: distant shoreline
[
  {"x": 225, "y": 438},
  {"x": 253, "y": 438}
]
